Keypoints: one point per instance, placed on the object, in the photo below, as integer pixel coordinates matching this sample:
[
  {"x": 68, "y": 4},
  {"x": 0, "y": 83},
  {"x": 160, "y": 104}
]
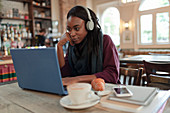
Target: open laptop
[{"x": 38, "y": 69}]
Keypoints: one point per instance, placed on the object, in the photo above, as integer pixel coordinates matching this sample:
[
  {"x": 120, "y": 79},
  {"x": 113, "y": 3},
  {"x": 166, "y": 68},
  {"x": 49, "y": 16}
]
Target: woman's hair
[{"x": 92, "y": 36}]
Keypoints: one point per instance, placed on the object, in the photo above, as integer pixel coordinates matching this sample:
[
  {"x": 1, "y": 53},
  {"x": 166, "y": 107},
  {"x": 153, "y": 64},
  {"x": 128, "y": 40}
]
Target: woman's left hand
[{"x": 63, "y": 40}]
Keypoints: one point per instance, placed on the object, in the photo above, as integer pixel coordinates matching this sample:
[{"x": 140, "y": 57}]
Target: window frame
[{"x": 153, "y": 12}]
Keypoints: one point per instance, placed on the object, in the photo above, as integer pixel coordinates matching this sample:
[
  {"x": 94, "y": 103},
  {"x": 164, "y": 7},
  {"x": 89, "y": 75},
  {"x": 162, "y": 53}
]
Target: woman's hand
[
  {"x": 69, "y": 80},
  {"x": 63, "y": 40},
  {"x": 66, "y": 37},
  {"x": 84, "y": 78}
]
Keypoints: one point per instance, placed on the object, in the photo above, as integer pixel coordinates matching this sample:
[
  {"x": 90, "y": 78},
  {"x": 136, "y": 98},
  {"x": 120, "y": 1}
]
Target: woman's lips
[{"x": 75, "y": 40}]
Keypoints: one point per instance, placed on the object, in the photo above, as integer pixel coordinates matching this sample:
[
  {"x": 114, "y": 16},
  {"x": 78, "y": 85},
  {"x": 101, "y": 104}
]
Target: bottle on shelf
[
  {"x": 20, "y": 44},
  {"x": 6, "y": 45},
  {"x": 9, "y": 33},
  {"x": 13, "y": 43},
  {"x": 12, "y": 32},
  {"x": 15, "y": 34},
  {"x": 43, "y": 3},
  {"x": 19, "y": 34},
  {"x": 29, "y": 34},
  {"x": 47, "y": 2},
  {"x": 24, "y": 33}
]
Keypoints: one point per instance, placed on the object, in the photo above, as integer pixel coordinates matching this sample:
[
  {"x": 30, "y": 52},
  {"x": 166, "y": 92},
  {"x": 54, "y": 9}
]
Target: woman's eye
[{"x": 77, "y": 29}]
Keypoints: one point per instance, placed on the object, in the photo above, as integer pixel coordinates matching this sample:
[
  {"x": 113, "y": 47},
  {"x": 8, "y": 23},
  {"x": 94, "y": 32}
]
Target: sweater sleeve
[{"x": 111, "y": 63}]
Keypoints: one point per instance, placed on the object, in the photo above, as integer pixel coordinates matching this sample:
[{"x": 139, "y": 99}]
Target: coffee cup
[{"x": 79, "y": 93}]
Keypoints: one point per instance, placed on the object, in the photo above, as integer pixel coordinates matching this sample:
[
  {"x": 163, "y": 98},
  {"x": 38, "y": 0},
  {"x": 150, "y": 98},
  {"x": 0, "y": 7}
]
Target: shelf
[
  {"x": 26, "y": 38},
  {"x": 15, "y": 18},
  {"x": 28, "y": 1},
  {"x": 44, "y": 21},
  {"x": 44, "y": 7},
  {"x": 40, "y": 18}
]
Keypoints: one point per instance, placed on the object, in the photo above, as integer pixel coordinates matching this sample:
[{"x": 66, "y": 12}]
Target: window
[
  {"x": 153, "y": 4},
  {"x": 154, "y": 22},
  {"x": 110, "y": 26},
  {"x": 146, "y": 28},
  {"x": 162, "y": 28}
]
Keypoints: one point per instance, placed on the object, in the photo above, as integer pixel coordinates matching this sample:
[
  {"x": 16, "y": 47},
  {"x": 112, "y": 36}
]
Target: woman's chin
[{"x": 76, "y": 42}]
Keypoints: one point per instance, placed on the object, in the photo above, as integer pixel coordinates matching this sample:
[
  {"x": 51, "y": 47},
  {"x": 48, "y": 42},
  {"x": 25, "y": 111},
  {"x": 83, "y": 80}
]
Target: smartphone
[{"x": 122, "y": 92}]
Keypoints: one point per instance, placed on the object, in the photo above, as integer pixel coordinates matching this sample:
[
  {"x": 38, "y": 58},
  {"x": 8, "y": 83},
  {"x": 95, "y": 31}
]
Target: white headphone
[{"x": 90, "y": 23}]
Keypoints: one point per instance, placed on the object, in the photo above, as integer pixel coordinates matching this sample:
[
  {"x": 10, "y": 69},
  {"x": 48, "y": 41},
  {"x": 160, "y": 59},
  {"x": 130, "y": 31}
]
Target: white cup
[{"x": 79, "y": 93}]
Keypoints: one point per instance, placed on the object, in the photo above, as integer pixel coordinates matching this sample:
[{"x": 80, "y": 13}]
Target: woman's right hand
[{"x": 63, "y": 40}]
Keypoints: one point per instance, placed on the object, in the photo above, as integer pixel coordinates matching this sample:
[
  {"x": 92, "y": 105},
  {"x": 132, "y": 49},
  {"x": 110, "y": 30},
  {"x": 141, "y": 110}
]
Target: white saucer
[
  {"x": 65, "y": 102},
  {"x": 102, "y": 93}
]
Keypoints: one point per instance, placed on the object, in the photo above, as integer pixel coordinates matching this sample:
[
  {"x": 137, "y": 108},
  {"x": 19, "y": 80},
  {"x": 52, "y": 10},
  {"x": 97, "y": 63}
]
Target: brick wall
[{"x": 65, "y": 6}]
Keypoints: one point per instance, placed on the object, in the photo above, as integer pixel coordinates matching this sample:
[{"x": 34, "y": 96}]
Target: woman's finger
[{"x": 69, "y": 39}]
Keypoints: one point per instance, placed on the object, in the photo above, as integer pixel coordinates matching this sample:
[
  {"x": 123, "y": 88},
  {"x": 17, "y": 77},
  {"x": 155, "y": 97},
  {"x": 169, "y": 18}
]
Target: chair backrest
[
  {"x": 155, "y": 68},
  {"x": 158, "y": 74},
  {"x": 131, "y": 76}
]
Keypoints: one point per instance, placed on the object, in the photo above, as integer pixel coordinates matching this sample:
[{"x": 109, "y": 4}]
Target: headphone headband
[{"x": 90, "y": 23}]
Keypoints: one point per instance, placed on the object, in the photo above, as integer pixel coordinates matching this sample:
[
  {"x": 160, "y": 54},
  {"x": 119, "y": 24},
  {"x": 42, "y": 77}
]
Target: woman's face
[{"x": 76, "y": 29}]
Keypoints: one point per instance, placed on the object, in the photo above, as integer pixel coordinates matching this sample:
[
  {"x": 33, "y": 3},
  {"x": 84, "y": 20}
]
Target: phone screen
[{"x": 121, "y": 90}]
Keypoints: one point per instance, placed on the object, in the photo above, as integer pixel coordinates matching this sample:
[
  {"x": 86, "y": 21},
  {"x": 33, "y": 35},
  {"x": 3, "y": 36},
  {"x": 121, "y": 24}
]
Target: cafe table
[
  {"x": 138, "y": 59},
  {"x": 13, "y": 99}
]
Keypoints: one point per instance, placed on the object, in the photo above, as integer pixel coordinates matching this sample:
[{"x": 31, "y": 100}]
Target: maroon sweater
[{"x": 110, "y": 71}]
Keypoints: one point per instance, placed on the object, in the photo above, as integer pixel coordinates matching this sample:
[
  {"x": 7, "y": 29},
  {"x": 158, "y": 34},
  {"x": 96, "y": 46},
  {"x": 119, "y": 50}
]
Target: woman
[{"x": 90, "y": 54}]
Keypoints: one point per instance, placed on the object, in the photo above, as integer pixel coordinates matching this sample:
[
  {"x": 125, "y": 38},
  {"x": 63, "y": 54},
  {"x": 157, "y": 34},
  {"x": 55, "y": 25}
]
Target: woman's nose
[{"x": 72, "y": 33}]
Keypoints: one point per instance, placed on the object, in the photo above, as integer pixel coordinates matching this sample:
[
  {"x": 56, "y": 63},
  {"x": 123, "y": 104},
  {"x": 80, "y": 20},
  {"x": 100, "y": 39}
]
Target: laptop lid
[{"x": 38, "y": 69}]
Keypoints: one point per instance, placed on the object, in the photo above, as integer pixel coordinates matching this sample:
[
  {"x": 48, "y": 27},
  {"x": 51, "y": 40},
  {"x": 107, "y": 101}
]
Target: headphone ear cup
[{"x": 90, "y": 25}]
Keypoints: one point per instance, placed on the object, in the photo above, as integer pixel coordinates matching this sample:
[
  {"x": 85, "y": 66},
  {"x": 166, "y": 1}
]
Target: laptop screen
[{"x": 38, "y": 69}]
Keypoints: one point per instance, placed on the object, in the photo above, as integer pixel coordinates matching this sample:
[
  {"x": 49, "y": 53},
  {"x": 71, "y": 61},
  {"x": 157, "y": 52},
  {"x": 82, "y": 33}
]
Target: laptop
[{"x": 38, "y": 69}]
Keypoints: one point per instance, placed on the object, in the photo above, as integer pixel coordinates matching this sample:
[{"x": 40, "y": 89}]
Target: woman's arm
[
  {"x": 111, "y": 63},
  {"x": 84, "y": 78},
  {"x": 60, "y": 53}
]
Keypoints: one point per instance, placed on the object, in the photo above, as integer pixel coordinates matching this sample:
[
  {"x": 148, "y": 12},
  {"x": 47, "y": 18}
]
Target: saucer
[
  {"x": 102, "y": 93},
  {"x": 65, "y": 102}
]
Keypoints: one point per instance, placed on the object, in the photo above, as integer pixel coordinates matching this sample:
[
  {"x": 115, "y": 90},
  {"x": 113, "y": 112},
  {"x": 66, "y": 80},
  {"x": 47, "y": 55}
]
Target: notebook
[
  {"x": 38, "y": 69},
  {"x": 105, "y": 102},
  {"x": 154, "y": 107},
  {"x": 141, "y": 95}
]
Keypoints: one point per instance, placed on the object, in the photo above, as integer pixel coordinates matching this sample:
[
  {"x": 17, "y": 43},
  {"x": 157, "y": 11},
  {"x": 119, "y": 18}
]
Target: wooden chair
[
  {"x": 137, "y": 66},
  {"x": 130, "y": 76},
  {"x": 158, "y": 74}
]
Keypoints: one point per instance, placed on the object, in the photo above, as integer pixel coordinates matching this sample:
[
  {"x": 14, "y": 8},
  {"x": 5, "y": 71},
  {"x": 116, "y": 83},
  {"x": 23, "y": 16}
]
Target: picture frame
[{"x": 127, "y": 36}]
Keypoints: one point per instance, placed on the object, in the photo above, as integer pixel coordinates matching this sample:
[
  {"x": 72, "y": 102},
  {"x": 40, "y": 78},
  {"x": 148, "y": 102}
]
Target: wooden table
[
  {"x": 138, "y": 59},
  {"x": 15, "y": 100}
]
